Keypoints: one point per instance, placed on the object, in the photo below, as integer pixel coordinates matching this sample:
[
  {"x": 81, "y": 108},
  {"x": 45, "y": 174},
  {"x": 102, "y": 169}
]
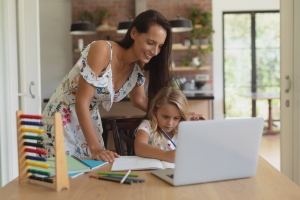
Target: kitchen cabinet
[{"x": 203, "y": 107}]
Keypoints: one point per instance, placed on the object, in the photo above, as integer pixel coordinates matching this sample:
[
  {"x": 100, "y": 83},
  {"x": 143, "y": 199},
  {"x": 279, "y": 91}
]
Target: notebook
[
  {"x": 215, "y": 150},
  {"x": 74, "y": 175},
  {"x": 76, "y": 166},
  {"x": 124, "y": 163},
  {"x": 93, "y": 164}
]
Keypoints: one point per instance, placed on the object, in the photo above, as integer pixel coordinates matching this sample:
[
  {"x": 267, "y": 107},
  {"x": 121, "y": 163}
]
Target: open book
[{"x": 124, "y": 163}]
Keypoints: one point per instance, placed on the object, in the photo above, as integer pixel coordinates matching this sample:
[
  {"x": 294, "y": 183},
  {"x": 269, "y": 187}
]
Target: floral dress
[
  {"x": 63, "y": 101},
  {"x": 164, "y": 143}
]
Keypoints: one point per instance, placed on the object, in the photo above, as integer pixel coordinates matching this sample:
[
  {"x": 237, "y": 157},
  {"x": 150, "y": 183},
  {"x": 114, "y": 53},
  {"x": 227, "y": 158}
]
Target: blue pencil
[{"x": 164, "y": 132}]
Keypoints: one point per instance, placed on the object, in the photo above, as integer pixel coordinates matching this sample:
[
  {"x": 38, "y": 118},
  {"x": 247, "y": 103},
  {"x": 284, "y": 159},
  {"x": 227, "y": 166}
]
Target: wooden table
[
  {"x": 269, "y": 97},
  {"x": 268, "y": 184}
]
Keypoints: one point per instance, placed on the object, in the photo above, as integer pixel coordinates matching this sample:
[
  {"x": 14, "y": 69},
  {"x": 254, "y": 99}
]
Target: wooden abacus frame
[{"x": 61, "y": 170}]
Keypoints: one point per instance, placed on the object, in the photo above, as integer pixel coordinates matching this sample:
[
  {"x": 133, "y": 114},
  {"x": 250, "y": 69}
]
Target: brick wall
[{"x": 119, "y": 10}]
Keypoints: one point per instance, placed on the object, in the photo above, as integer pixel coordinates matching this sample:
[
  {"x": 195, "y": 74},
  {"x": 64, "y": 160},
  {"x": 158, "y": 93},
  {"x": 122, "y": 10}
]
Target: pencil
[
  {"x": 118, "y": 174},
  {"x": 113, "y": 179},
  {"x": 164, "y": 132},
  {"x": 126, "y": 175},
  {"x": 128, "y": 178},
  {"x": 106, "y": 178}
]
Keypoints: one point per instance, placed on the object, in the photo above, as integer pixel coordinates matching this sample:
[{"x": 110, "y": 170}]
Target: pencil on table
[
  {"x": 118, "y": 174},
  {"x": 106, "y": 178},
  {"x": 124, "y": 178}
]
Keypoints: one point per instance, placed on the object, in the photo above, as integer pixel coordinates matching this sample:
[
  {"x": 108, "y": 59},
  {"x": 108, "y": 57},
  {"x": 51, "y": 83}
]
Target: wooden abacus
[{"x": 60, "y": 178}]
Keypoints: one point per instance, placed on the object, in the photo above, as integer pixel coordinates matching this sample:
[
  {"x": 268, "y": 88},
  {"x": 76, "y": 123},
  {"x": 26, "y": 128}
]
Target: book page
[
  {"x": 124, "y": 163},
  {"x": 168, "y": 165}
]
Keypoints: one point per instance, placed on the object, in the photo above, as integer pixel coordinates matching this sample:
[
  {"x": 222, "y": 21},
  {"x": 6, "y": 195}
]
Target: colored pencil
[
  {"x": 118, "y": 174},
  {"x": 128, "y": 178},
  {"x": 126, "y": 175},
  {"x": 166, "y": 134},
  {"x": 106, "y": 178}
]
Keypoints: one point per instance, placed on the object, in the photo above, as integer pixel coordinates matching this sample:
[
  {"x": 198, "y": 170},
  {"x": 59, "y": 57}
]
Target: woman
[{"x": 105, "y": 73}]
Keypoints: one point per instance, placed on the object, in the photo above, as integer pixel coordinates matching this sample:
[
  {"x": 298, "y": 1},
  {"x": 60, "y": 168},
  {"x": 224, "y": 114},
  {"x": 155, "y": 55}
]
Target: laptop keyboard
[{"x": 170, "y": 175}]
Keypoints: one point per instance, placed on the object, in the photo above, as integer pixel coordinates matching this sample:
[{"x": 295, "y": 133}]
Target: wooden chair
[{"x": 123, "y": 134}]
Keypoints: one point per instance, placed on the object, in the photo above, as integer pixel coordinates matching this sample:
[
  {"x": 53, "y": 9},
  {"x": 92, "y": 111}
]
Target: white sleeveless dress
[{"x": 63, "y": 101}]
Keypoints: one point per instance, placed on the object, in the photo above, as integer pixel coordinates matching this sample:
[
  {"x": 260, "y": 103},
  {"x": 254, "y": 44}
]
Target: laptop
[{"x": 215, "y": 150}]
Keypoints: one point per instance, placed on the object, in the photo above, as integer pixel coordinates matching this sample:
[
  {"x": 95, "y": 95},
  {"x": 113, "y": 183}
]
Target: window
[{"x": 251, "y": 62}]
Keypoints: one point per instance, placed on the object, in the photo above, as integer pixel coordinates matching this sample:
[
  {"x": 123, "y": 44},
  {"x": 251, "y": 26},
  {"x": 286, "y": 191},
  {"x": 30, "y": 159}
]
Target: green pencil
[{"x": 118, "y": 174}]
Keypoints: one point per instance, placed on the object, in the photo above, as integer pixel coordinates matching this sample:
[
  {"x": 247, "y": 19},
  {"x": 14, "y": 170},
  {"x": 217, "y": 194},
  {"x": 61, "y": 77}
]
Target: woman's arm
[
  {"x": 97, "y": 60},
  {"x": 143, "y": 149},
  {"x": 195, "y": 116},
  {"x": 138, "y": 98}
]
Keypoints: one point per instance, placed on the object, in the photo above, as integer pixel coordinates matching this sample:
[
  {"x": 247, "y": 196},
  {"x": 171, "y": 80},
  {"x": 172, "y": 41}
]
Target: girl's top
[
  {"x": 163, "y": 143},
  {"x": 63, "y": 101}
]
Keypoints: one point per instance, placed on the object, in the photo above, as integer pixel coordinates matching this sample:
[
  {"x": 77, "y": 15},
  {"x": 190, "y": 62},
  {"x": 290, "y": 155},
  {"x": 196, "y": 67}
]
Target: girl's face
[
  {"x": 168, "y": 117},
  {"x": 147, "y": 45}
]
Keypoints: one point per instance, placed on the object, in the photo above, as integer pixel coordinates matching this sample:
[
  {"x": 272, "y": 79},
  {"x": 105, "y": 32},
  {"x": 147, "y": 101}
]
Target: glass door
[{"x": 251, "y": 64}]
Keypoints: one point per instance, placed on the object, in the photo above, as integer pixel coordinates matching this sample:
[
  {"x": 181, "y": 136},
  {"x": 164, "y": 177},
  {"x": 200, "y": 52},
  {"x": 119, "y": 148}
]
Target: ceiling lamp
[
  {"x": 124, "y": 26},
  {"x": 180, "y": 24},
  {"x": 83, "y": 28}
]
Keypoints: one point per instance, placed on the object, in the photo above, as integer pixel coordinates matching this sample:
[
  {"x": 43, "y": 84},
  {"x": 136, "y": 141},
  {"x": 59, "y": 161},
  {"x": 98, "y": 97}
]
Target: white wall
[
  {"x": 8, "y": 90},
  {"x": 56, "y": 61},
  {"x": 218, "y": 7},
  {"x": 56, "y": 43}
]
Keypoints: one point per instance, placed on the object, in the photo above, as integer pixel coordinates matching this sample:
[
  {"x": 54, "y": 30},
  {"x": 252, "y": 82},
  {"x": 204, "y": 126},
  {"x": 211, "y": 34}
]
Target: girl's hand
[
  {"x": 105, "y": 155},
  {"x": 194, "y": 116},
  {"x": 170, "y": 156}
]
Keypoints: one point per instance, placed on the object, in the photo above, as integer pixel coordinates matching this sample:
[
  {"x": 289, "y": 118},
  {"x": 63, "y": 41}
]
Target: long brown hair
[
  {"x": 158, "y": 67},
  {"x": 167, "y": 95}
]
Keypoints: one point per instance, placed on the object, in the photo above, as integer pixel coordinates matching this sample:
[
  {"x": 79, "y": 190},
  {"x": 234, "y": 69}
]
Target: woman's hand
[
  {"x": 105, "y": 155},
  {"x": 194, "y": 116}
]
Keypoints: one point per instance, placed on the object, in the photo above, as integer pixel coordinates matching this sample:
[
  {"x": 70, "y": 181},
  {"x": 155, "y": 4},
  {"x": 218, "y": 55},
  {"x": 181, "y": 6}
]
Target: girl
[{"x": 167, "y": 109}]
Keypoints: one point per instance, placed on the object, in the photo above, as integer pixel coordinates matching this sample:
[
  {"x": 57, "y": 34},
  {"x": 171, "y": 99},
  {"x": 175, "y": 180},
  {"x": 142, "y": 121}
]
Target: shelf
[
  {"x": 182, "y": 47},
  {"x": 103, "y": 28},
  {"x": 190, "y": 68},
  {"x": 197, "y": 26},
  {"x": 76, "y": 51}
]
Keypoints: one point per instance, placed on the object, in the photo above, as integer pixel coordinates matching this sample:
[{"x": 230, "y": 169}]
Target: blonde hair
[{"x": 167, "y": 95}]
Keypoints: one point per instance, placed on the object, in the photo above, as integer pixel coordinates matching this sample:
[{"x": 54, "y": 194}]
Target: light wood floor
[{"x": 270, "y": 149}]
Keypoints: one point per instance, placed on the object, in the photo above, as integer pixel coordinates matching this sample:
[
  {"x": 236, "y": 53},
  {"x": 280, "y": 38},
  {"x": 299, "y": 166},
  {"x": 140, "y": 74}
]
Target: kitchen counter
[
  {"x": 199, "y": 96},
  {"x": 201, "y": 103},
  {"x": 189, "y": 97}
]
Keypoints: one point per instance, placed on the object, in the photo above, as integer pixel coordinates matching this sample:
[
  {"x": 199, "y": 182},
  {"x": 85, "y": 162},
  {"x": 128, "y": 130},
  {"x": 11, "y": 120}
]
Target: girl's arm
[
  {"x": 143, "y": 149},
  {"x": 138, "y": 98}
]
